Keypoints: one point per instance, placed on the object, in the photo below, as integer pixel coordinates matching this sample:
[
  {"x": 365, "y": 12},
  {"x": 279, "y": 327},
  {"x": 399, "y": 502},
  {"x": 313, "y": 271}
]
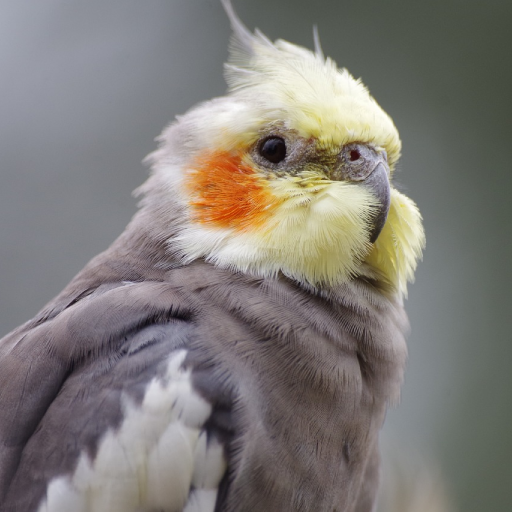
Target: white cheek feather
[{"x": 152, "y": 460}]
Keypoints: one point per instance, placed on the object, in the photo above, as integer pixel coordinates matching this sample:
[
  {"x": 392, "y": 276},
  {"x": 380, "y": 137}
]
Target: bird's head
[{"x": 288, "y": 173}]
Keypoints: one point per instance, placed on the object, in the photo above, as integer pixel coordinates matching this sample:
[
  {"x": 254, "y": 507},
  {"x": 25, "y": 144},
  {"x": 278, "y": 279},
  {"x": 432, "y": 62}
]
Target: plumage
[{"x": 235, "y": 349}]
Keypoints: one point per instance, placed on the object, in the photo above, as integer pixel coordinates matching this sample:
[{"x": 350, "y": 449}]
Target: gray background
[{"x": 85, "y": 86}]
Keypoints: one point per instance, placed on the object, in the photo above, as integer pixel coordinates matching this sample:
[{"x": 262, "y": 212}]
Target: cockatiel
[{"x": 236, "y": 347}]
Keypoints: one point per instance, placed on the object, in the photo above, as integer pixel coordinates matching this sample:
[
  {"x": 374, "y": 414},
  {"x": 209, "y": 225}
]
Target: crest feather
[
  {"x": 243, "y": 41},
  {"x": 316, "y": 41}
]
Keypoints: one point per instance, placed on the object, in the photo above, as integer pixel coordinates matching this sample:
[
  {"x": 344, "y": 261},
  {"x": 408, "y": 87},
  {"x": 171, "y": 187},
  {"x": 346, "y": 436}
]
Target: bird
[{"x": 237, "y": 347}]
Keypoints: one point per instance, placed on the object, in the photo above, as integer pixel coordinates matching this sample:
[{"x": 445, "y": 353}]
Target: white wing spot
[
  {"x": 201, "y": 500},
  {"x": 210, "y": 464},
  {"x": 152, "y": 460}
]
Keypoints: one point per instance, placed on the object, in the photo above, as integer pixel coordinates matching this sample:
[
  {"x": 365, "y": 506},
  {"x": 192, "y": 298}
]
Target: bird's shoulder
[{"x": 95, "y": 388}]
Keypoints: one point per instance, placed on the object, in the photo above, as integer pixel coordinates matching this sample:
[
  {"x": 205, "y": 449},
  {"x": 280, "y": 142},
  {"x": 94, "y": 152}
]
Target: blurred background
[{"x": 86, "y": 86}]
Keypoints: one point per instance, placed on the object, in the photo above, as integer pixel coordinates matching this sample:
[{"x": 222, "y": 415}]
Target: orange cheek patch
[{"x": 226, "y": 192}]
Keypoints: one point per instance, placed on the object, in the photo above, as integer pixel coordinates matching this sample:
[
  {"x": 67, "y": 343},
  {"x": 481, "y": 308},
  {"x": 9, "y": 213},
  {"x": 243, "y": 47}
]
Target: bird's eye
[
  {"x": 273, "y": 149},
  {"x": 354, "y": 155}
]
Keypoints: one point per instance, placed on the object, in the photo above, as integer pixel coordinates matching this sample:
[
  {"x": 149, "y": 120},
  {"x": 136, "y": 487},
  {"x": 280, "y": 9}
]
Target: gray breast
[{"x": 135, "y": 396}]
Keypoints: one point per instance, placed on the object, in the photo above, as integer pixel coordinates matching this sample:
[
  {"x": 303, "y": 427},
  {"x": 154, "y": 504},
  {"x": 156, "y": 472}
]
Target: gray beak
[{"x": 378, "y": 183}]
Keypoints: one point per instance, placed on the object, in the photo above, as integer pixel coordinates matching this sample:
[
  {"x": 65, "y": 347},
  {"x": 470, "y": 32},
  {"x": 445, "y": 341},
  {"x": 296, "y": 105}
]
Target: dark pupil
[
  {"x": 354, "y": 155},
  {"x": 273, "y": 149}
]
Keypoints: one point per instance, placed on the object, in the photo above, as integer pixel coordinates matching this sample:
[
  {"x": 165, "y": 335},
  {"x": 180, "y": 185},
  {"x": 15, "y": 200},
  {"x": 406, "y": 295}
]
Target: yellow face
[
  {"x": 280, "y": 174},
  {"x": 285, "y": 203}
]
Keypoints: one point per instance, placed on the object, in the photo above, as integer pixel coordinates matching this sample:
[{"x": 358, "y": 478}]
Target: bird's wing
[{"x": 100, "y": 410}]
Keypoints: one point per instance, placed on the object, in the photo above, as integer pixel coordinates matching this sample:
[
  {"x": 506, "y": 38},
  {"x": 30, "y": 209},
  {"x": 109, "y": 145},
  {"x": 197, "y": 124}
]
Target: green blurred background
[{"x": 86, "y": 85}]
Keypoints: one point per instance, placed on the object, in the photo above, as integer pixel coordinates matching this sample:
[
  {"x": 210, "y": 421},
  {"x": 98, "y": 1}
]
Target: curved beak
[{"x": 378, "y": 184}]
